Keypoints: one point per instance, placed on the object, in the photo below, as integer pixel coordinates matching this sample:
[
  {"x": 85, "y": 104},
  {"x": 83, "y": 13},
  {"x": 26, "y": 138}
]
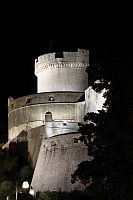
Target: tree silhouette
[{"x": 109, "y": 135}]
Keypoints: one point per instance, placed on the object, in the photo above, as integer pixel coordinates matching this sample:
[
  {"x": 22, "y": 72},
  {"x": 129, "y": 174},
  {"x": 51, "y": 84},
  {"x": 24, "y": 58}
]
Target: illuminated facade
[{"x": 51, "y": 118}]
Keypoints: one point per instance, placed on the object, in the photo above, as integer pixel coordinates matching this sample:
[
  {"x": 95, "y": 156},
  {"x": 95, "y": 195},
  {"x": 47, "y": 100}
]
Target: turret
[{"x": 62, "y": 71}]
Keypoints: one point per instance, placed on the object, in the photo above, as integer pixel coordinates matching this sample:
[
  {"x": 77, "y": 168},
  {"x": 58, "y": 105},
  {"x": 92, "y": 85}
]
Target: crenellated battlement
[
  {"x": 48, "y": 122},
  {"x": 80, "y": 56}
]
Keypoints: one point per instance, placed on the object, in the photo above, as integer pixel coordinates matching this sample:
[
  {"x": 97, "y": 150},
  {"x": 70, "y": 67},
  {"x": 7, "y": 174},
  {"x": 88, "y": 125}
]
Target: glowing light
[
  {"x": 32, "y": 192},
  {"x": 25, "y": 185}
]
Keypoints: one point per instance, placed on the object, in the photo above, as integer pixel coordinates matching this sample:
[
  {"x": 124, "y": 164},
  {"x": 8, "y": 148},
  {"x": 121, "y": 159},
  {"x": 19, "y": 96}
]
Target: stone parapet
[{"x": 81, "y": 55}]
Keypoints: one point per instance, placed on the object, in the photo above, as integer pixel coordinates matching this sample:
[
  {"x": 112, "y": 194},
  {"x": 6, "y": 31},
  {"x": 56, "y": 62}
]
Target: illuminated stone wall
[
  {"x": 60, "y": 127},
  {"x": 64, "y": 71},
  {"x": 58, "y": 158},
  {"x": 25, "y": 115},
  {"x": 34, "y": 138},
  {"x": 62, "y": 80},
  {"x": 93, "y": 101}
]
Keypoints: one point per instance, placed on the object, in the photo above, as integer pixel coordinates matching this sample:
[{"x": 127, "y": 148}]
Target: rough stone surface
[
  {"x": 27, "y": 144},
  {"x": 62, "y": 81},
  {"x": 45, "y": 97},
  {"x": 58, "y": 158},
  {"x": 64, "y": 71},
  {"x": 34, "y": 138},
  {"x": 24, "y": 116}
]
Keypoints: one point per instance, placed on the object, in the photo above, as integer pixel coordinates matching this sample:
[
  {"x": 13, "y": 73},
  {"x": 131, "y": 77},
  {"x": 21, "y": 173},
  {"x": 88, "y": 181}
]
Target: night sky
[{"x": 29, "y": 30}]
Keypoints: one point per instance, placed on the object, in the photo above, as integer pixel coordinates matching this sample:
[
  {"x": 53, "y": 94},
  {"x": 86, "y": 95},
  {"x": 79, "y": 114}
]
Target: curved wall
[
  {"x": 58, "y": 158},
  {"x": 24, "y": 116},
  {"x": 66, "y": 72},
  {"x": 63, "y": 79}
]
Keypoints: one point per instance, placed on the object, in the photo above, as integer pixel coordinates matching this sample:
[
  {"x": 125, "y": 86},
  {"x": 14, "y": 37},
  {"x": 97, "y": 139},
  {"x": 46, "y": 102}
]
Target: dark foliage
[
  {"x": 12, "y": 173},
  {"x": 109, "y": 135},
  {"x": 73, "y": 195}
]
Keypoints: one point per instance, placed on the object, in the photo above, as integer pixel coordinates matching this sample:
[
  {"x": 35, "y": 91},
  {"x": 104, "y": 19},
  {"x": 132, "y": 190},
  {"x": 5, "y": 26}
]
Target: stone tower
[
  {"x": 62, "y": 71},
  {"x": 51, "y": 118},
  {"x": 48, "y": 122},
  {"x": 61, "y": 150}
]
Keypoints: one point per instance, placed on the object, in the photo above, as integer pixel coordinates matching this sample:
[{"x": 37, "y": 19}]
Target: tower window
[
  {"x": 51, "y": 98},
  {"x": 64, "y": 124},
  {"x": 12, "y": 105},
  {"x": 79, "y": 124},
  {"x": 28, "y": 100}
]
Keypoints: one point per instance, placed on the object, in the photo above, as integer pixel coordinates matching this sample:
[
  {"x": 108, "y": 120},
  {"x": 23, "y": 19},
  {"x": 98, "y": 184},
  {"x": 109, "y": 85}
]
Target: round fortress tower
[
  {"x": 51, "y": 120},
  {"x": 62, "y": 71}
]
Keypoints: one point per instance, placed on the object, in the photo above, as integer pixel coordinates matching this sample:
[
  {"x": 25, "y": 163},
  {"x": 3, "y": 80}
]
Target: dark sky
[{"x": 29, "y": 30}]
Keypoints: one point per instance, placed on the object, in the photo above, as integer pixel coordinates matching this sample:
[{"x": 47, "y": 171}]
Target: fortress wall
[
  {"x": 58, "y": 158},
  {"x": 34, "y": 138},
  {"x": 27, "y": 143},
  {"x": 32, "y": 113},
  {"x": 56, "y": 128},
  {"x": 15, "y": 130},
  {"x": 80, "y": 111},
  {"x": 42, "y": 98},
  {"x": 63, "y": 79},
  {"x": 32, "y": 116}
]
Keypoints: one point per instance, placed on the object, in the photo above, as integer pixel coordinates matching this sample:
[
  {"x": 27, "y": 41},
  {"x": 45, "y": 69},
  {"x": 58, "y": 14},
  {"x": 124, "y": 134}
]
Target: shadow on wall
[
  {"x": 19, "y": 146},
  {"x": 27, "y": 145}
]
